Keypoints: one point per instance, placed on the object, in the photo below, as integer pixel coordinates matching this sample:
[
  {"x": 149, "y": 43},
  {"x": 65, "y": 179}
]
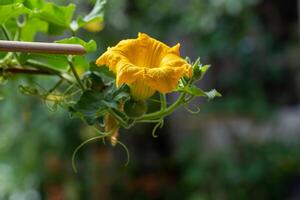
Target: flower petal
[
  {"x": 172, "y": 67},
  {"x": 148, "y": 61},
  {"x": 128, "y": 73},
  {"x": 164, "y": 79}
]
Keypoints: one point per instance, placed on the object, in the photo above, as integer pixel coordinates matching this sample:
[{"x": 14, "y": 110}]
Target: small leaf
[
  {"x": 97, "y": 12},
  {"x": 203, "y": 70},
  {"x": 213, "y": 93},
  {"x": 199, "y": 70},
  {"x": 95, "y": 17},
  {"x": 195, "y": 91},
  {"x": 12, "y": 11},
  {"x": 89, "y": 46}
]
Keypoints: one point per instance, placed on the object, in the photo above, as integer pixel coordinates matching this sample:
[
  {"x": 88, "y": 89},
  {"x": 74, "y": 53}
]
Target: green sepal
[{"x": 199, "y": 70}]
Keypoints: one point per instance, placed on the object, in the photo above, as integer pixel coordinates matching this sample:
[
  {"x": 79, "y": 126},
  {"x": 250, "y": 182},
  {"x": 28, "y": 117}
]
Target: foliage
[
  {"x": 88, "y": 92},
  {"x": 252, "y": 65}
]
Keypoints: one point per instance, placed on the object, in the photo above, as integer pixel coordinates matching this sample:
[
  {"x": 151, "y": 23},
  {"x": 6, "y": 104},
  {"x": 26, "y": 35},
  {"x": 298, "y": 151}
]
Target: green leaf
[
  {"x": 96, "y": 16},
  {"x": 213, "y": 93},
  {"x": 81, "y": 63},
  {"x": 97, "y": 12},
  {"x": 94, "y": 104},
  {"x": 57, "y": 15},
  {"x": 6, "y": 2},
  {"x": 34, "y": 4},
  {"x": 48, "y": 61},
  {"x": 55, "y": 29},
  {"x": 103, "y": 71},
  {"x": 30, "y": 29},
  {"x": 203, "y": 70},
  {"x": 195, "y": 91},
  {"x": 89, "y": 46},
  {"x": 12, "y": 11},
  {"x": 90, "y": 105},
  {"x": 199, "y": 70}
]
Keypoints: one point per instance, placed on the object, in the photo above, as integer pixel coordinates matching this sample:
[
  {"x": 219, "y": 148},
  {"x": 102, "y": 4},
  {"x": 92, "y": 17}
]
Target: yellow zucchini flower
[{"x": 146, "y": 65}]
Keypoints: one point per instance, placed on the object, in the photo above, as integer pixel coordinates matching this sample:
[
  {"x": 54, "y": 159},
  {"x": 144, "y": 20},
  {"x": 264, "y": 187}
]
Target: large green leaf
[
  {"x": 57, "y": 15},
  {"x": 89, "y": 46},
  {"x": 30, "y": 29},
  {"x": 12, "y": 11}
]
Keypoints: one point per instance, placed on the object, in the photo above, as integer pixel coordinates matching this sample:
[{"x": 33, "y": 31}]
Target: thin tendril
[
  {"x": 102, "y": 136},
  {"x": 192, "y": 111},
  {"x": 158, "y": 125},
  {"x": 127, "y": 151},
  {"x": 154, "y": 100},
  {"x": 80, "y": 146}
]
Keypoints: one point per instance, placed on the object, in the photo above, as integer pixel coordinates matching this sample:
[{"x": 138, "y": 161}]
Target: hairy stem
[
  {"x": 165, "y": 112},
  {"x": 70, "y": 61},
  {"x": 163, "y": 101}
]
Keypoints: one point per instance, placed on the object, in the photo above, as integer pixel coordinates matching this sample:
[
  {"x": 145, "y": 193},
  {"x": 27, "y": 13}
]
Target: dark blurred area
[{"x": 244, "y": 145}]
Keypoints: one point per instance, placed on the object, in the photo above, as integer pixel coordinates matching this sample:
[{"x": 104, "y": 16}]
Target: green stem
[
  {"x": 150, "y": 121},
  {"x": 163, "y": 113},
  {"x": 5, "y": 32},
  {"x": 55, "y": 86},
  {"x": 70, "y": 61},
  {"x": 163, "y": 101},
  {"x": 117, "y": 117}
]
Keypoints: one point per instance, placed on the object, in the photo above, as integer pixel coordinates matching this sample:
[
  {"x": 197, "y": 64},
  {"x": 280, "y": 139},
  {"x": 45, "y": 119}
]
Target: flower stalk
[{"x": 70, "y": 61}]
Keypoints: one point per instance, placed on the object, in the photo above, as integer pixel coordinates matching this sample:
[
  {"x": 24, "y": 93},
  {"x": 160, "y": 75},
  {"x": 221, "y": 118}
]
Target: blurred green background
[{"x": 244, "y": 145}]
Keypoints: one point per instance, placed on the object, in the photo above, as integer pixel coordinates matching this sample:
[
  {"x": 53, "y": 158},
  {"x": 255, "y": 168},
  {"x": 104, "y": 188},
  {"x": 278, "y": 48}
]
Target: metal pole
[{"x": 41, "y": 47}]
